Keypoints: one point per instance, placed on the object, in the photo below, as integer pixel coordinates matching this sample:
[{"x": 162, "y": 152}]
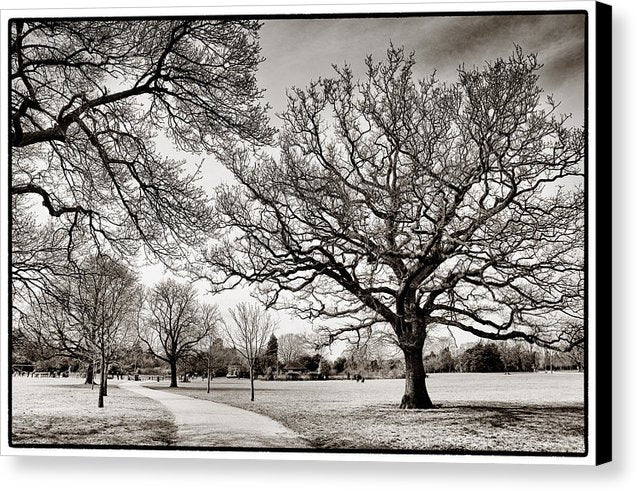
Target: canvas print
[{"x": 328, "y": 233}]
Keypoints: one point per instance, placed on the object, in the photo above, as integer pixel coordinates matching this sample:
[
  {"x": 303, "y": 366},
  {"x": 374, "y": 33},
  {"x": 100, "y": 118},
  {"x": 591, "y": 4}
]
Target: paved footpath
[{"x": 203, "y": 423}]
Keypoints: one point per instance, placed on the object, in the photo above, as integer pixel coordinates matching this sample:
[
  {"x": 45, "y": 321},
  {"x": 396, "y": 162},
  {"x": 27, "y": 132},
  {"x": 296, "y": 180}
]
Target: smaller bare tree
[
  {"x": 104, "y": 304},
  {"x": 212, "y": 320},
  {"x": 174, "y": 323},
  {"x": 88, "y": 317},
  {"x": 291, "y": 347},
  {"x": 249, "y": 334}
]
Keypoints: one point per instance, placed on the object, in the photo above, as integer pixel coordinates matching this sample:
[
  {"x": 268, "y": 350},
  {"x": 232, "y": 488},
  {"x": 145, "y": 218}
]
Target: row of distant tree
[
  {"x": 503, "y": 357},
  {"x": 372, "y": 361},
  {"x": 39, "y": 347},
  {"x": 101, "y": 317}
]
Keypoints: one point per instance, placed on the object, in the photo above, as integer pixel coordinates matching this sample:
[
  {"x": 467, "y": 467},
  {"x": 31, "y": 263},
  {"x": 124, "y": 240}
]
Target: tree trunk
[
  {"x": 416, "y": 396},
  {"x": 100, "y": 400},
  {"x": 208, "y": 387},
  {"x": 105, "y": 379},
  {"x": 173, "y": 373},
  {"x": 89, "y": 374},
  {"x": 251, "y": 384}
]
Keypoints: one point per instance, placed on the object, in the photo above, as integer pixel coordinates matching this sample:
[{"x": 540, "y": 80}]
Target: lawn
[
  {"x": 61, "y": 411},
  {"x": 477, "y": 412}
]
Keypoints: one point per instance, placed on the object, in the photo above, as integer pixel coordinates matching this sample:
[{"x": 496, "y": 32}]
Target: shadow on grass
[
  {"x": 569, "y": 419},
  {"x": 504, "y": 410}
]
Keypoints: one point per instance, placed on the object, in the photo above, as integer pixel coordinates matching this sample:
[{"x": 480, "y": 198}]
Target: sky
[
  {"x": 297, "y": 51},
  {"x": 300, "y": 50}
]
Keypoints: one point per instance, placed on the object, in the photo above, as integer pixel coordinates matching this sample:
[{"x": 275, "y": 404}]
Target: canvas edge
[{"x": 599, "y": 443}]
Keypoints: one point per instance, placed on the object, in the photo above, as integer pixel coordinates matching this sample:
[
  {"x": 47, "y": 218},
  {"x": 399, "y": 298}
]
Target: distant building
[
  {"x": 236, "y": 371},
  {"x": 294, "y": 371}
]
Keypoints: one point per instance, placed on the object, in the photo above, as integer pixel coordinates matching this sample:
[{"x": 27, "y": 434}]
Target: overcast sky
[{"x": 299, "y": 50}]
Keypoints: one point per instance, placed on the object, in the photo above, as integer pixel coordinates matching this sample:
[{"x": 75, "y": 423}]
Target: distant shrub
[{"x": 482, "y": 358}]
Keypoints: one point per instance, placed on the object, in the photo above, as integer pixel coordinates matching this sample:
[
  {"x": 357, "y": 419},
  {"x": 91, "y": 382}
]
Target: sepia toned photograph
[{"x": 328, "y": 233}]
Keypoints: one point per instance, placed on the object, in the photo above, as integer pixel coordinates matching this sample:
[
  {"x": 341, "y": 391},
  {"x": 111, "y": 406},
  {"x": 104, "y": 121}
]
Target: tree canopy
[{"x": 92, "y": 105}]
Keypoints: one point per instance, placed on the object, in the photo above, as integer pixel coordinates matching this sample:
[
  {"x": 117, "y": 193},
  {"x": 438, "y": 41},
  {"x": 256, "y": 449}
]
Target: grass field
[
  {"x": 477, "y": 412},
  {"x": 64, "y": 411}
]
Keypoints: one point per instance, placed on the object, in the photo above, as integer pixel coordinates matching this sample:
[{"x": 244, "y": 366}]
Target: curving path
[{"x": 210, "y": 424}]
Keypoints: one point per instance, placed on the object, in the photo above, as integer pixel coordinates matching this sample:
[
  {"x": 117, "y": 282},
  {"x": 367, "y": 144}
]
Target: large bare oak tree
[{"x": 413, "y": 204}]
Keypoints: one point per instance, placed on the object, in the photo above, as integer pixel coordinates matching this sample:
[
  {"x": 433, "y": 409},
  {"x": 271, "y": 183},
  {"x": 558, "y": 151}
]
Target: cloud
[{"x": 299, "y": 50}]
